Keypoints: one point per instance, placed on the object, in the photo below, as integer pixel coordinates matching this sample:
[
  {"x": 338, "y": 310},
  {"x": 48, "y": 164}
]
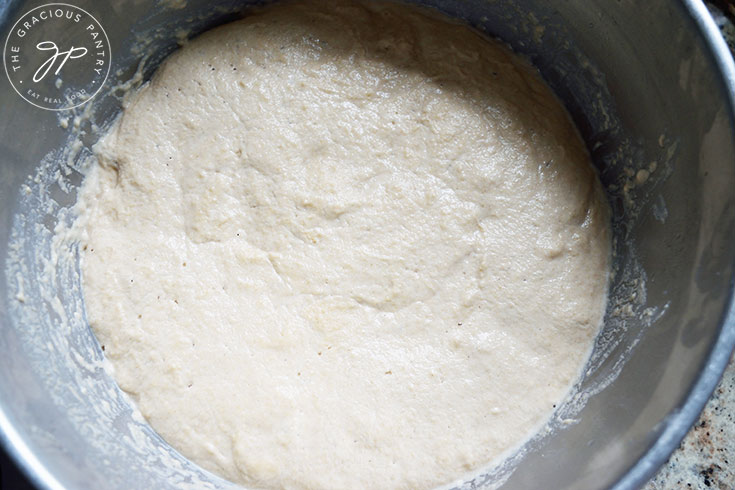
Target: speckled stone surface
[{"x": 706, "y": 457}]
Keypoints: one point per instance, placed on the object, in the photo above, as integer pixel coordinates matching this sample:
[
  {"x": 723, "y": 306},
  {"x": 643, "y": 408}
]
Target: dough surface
[{"x": 342, "y": 246}]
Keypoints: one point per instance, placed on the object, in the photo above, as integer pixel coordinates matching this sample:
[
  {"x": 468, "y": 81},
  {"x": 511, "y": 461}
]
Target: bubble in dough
[{"x": 344, "y": 245}]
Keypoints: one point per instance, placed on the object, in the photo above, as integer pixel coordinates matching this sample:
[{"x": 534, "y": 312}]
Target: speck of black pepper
[{"x": 103, "y": 347}]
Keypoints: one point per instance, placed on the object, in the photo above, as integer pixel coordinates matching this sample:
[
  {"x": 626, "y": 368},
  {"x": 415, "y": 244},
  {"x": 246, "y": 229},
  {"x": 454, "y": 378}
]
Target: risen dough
[{"x": 344, "y": 246}]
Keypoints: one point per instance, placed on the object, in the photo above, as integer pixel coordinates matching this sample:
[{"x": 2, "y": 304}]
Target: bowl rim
[
  {"x": 676, "y": 425},
  {"x": 25, "y": 460}
]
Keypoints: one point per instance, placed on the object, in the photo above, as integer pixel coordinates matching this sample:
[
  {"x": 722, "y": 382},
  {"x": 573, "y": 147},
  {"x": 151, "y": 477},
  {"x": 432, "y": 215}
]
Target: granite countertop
[{"x": 706, "y": 457}]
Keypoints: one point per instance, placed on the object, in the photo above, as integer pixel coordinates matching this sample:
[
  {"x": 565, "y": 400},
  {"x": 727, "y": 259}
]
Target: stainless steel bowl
[{"x": 650, "y": 86}]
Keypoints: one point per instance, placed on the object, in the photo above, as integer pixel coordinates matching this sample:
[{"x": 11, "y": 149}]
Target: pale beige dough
[{"x": 341, "y": 246}]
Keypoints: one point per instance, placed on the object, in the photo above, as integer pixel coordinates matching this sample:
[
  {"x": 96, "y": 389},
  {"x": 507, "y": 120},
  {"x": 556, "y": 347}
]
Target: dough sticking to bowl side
[{"x": 344, "y": 245}]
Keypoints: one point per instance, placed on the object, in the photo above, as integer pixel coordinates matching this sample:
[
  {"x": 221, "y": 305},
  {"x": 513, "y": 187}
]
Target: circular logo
[{"x": 57, "y": 56}]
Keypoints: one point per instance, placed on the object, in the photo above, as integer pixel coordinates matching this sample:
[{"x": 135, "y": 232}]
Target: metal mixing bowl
[{"x": 650, "y": 86}]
